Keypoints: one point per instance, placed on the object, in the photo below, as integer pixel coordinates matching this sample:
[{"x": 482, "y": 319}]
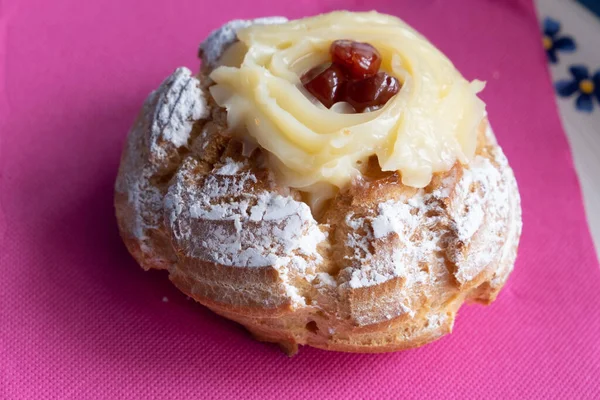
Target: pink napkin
[{"x": 79, "y": 319}]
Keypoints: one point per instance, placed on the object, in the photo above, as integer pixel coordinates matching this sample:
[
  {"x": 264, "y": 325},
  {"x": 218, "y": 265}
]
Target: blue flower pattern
[
  {"x": 584, "y": 85},
  {"x": 553, "y": 42}
]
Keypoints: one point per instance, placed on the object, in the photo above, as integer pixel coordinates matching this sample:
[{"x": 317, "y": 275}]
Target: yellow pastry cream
[{"x": 430, "y": 124}]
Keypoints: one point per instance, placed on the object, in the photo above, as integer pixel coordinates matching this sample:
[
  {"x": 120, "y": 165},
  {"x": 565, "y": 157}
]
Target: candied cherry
[
  {"x": 359, "y": 60},
  {"x": 374, "y": 91},
  {"x": 313, "y": 72},
  {"x": 326, "y": 84}
]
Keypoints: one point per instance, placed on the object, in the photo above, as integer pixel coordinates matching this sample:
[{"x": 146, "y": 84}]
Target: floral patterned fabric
[
  {"x": 584, "y": 85},
  {"x": 570, "y": 32}
]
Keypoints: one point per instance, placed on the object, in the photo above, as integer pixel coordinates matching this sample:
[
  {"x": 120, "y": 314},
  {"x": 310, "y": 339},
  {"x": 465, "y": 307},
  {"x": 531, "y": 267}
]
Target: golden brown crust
[{"x": 386, "y": 267}]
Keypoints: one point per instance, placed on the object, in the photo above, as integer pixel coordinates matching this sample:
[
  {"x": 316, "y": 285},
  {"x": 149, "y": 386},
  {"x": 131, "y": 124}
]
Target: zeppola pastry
[{"x": 331, "y": 181}]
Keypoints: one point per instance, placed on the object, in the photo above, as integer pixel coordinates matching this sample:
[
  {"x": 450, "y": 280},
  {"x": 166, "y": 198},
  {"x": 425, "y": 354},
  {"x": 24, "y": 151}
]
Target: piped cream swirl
[{"x": 427, "y": 127}]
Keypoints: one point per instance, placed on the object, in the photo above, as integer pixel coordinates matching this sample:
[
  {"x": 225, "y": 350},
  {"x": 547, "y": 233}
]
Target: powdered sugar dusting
[
  {"x": 470, "y": 218},
  {"x": 325, "y": 280},
  {"x": 509, "y": 249},
  {"x": 398, "y": 222},
  {"x": 481, "y": 201},
  {"x": 163, "y": 126},
  {"x": 481, "y": 209},
  {"x": 230, "y": 168},
  {"x": 218, "y": 40},
  {"x": 254, "y": 230},
  {"x": 180, "y": 102},
  {"x": 223, "y": 219}
]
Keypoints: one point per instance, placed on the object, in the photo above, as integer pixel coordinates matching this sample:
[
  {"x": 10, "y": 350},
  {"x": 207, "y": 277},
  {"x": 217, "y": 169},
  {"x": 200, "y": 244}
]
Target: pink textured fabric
[{"x": 79, "y": 319}]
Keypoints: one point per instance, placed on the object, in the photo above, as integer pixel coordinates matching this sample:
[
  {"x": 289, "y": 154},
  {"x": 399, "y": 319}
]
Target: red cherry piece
[
  {"x": 371, "y": 92},
  {"x": 325, "y": 84},
  {"x": 359, "y": 60},
  {"x": 313, "y": 72}
]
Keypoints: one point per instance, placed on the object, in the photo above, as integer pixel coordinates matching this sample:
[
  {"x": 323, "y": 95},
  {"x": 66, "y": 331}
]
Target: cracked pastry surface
[{"x": 382, "y": 266}]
